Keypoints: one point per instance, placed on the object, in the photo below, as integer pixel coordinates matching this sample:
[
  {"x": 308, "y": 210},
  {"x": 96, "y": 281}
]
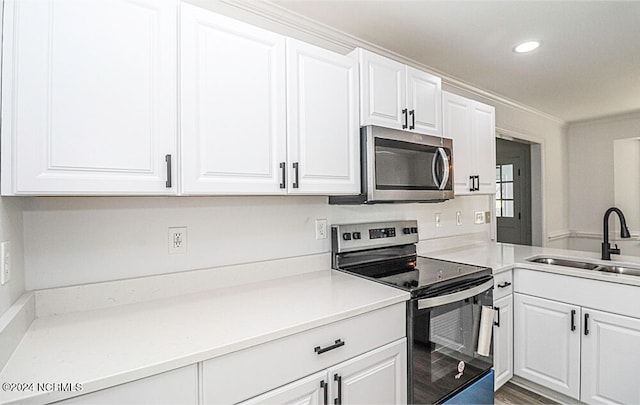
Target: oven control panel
[{"x": 349, "y": 237}]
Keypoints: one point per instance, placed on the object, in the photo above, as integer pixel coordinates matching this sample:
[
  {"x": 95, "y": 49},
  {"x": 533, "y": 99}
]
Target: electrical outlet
[
  {"x": 321, "y": 229},
  {"x": 438, "y": 220},
  {"x": 479, "y": 216},
  {"x": 458, "y": 218},
  {"x": 177, "y": 240},
  {"x": 5, "y": 262}
]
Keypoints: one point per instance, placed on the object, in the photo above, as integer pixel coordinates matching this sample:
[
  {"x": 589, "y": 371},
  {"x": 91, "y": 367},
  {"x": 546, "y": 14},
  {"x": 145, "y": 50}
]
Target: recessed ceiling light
[{"x": 527, "y": 46}]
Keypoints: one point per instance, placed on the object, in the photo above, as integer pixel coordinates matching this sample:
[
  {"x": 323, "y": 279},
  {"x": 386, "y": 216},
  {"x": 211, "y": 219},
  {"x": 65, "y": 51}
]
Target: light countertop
[
  {"x": 503, "y": 256},
  {"x": 105, "y": 347}
]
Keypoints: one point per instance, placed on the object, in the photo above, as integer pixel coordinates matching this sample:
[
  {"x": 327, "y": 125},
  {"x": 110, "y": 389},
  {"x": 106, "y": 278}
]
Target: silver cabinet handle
[{"x": 456, "y": 296}]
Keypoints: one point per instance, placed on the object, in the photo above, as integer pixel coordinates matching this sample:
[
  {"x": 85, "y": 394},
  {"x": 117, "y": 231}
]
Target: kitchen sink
[
  {"x": 564, "y": 262},
  {"x": 620, "y": 270},
  {"x": 632, "y": 271}
]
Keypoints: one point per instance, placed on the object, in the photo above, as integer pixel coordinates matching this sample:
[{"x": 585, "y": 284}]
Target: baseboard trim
[{"x": 544, "y": 391}]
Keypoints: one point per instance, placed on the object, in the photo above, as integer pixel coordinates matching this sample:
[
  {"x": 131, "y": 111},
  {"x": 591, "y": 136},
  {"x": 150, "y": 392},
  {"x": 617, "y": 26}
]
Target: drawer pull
[
  {"x": 504, "y": 285},
  {"x": 321, "y": 350}
]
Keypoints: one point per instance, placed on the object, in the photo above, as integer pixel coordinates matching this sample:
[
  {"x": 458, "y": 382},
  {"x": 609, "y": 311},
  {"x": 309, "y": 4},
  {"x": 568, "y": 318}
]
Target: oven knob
[
  {"x": 357, "y": 235},
  {"x": 406, "y": 284},
  {"x": 414, "y": 230},
  {"x": 414, "y": 283},
  {"x": 406, "y": 231},
  {"x": 346, "y": 236}
]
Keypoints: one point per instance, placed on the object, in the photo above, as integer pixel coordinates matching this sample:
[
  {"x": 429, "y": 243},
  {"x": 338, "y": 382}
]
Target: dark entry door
[{"x": 513, "y": 192}]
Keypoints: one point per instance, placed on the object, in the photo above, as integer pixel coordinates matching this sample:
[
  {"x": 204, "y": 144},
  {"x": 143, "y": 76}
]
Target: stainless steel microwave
[{"x": 401, "y": 166}]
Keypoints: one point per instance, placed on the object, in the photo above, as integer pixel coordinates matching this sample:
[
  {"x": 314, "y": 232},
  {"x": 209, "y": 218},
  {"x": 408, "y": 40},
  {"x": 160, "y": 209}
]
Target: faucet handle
[{"x": 615, "y": 250}]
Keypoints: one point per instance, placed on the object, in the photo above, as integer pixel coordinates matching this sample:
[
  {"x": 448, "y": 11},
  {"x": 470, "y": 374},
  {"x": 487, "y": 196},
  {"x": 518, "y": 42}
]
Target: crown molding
[
  {"x": 631, "y": 115},
  {"x": 348, "y": 42}
]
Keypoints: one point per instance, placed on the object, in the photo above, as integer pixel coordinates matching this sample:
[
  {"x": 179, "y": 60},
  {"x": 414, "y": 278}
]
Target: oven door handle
[{"x": 456, "y": 296}]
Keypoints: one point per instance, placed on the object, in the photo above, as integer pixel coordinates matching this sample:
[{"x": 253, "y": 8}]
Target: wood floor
[{"x": 511, "y": 394}]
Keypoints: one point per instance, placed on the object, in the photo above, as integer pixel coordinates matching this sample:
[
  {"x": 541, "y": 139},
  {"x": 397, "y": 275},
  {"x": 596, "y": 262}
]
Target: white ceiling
[{"x": 588, "y": 66}]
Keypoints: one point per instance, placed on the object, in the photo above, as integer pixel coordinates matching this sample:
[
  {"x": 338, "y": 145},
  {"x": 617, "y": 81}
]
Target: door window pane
[
  {"x": 507, "y": 172},
  {"x": 504, "y": 191}
]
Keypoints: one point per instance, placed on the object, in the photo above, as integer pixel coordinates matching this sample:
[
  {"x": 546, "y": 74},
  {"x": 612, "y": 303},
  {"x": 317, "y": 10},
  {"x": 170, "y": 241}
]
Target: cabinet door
[
  {"x": 233, "y": 114},
  {"x": 424, "y": 102},
  {"x": 457, "y": 125},
  {"x": 383, "y": 91},
  {"x": 322, "y": 121},
  {"x": 311, "y": 390},
  {"x": 503, "y": 341},
  {"x": 546, "y": 349},
  {"x": 484, "y": 146},
  {"x": 610, "y": 359},
  {"x": 376, "y": 377},
  {"x": 179, "y": 387},
  {"x": 89, "y": 92}
]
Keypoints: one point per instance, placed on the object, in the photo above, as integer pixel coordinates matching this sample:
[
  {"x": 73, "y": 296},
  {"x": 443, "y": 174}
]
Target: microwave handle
[
  {"x": 456, "y": 296},
  {"x": 445, "y": 162}
]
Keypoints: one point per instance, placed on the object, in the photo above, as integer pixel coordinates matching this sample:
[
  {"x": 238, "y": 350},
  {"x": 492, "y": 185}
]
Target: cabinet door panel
[
  {"x": 89, "y": 96},
  {"x": 457, "y": 125},
  {"x": 484, "y": 134},
  {"x": 233, "y": 105},
  {"x": 322, "y": 130},
  {"x": 424, "y": 96},
  {"x": 377, "y": 377},
  {"x": 610, "y": 358},
  {"x": 546, "y": 350},
  {"x": 503, "y": 342},
  {"x": 307, "y": 391},
  {"x": 383, "y": 95}
]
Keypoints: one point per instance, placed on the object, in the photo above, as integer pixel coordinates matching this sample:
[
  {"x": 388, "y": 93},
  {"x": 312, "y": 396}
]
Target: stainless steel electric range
[{"x": 444, "y": 314}]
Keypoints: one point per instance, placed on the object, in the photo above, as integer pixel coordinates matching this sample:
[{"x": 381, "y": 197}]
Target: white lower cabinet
[
  {"x": 547, "y": 346},
  {"x": 376, "y": 377},
  {"x": 503, "y": 341},
  {"x": 179, "y": 387},
  {"x": 563, "y": 344},
  {"x": 503, "y": 328},
  {"x": 610, "y": 359},
  {"x": 362, "y": 360}
]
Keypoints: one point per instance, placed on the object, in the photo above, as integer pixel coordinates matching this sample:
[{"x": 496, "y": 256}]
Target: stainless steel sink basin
[
  {"x": 620, "y": 270},
  {"x": 563, "y": 262},
  {"x": 632, "y": 271}
]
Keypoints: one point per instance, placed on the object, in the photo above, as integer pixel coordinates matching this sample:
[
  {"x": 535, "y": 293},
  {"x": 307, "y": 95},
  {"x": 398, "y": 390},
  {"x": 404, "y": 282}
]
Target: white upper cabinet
[
  {"x": 233, "y": 115},
  {"x": 424, "y": 94},
  {"x": 471, "y": 125},
  {"x": 250, "y": 126},
  {"x": 397, "y": 96},
  {"x": 322, "y": 121},
  {"x": 89, "y": 97}
]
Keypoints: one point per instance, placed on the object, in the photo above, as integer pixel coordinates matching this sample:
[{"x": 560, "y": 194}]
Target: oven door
[{"x": 443, "y": 334}]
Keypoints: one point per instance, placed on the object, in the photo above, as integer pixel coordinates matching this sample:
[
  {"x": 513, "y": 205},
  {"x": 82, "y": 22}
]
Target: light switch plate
[
  {"x": 438, "y": 220},
  {"x": 458, "y": 218},
  {"x": 479, "y": 217}
]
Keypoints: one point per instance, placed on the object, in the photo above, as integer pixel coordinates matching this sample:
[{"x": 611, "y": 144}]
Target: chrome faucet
[{"x": 607, "y": 250}]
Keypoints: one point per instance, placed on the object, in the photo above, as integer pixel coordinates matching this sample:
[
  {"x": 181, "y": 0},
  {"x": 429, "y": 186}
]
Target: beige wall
[{"x": 591, "y": 179}]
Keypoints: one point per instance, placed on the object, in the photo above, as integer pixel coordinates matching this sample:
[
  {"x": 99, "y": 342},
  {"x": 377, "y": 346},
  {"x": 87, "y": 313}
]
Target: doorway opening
[{"x": 513, "y": 202}]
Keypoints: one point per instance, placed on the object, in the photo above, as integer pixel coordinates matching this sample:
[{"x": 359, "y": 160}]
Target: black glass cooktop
[{"x": 420, "y": 275}]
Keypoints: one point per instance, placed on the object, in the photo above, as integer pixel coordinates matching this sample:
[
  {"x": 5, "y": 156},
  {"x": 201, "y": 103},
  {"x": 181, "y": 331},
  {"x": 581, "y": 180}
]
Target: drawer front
[
  {"x": 503, "y": 284},
  {"x": 250, "y": 372}
]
